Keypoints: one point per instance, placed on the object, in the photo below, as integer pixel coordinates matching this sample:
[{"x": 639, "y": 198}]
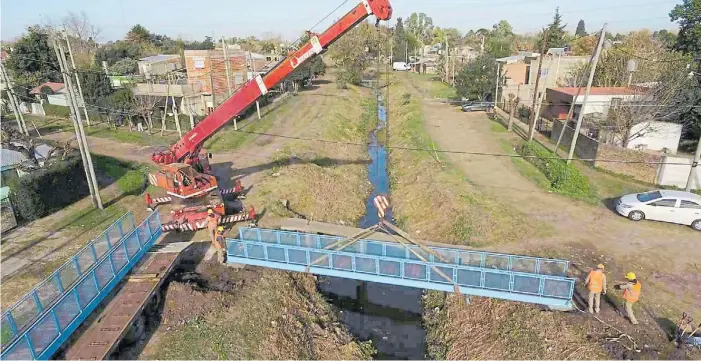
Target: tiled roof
[{"x": 54, "y": 86}]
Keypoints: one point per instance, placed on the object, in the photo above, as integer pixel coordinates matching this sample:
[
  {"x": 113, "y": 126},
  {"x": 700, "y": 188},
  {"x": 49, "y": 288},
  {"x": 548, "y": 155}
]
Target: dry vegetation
[
  {"x": 321, "y": 180},
  {"x": 431, "y": 198},
  {"x": 640, "y": 171},
  {"x": 272, "y": 315}
]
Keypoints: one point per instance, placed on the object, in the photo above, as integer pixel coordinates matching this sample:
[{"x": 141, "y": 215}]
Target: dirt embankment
[{"x": 431, "y": 198}]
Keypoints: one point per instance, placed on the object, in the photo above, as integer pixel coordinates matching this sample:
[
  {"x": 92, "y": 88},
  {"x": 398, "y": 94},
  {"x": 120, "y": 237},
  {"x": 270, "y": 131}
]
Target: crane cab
[{"x": 182, "y": 181}]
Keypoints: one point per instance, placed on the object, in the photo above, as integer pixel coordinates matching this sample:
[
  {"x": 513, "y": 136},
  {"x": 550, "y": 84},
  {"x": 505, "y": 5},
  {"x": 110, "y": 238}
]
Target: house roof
[
  {"x": 159, "y": 57},
  {"x": 10, "y": 158},
  {"x": 3, "y": 55},
  {"x": 614, "y": 90},
  {"x": 54, "y": 87}
]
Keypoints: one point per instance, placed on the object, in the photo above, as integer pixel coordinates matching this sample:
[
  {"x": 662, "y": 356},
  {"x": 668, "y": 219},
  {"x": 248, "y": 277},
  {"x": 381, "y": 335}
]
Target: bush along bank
[{"x": 564, "y": 178}]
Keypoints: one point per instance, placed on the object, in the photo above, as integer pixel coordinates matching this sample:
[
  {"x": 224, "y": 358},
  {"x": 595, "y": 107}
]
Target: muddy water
[{"x": 387, "y": 315}]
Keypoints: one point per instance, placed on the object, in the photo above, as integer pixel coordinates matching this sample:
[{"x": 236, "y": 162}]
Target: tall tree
[
  {"x": 33, "y": 61},
  {"x": 666, "y": 38},
  {"x": 353, "y": 53},
  {"x": 138, "y": 34},
  {"x": 421, "y": 27},
  {"x": 584, "y": 45},
  {"x": 555, "y": 33},
  {"x": 688, "y": 15},
  {"x": 500, "y": 40},
  {"x": 400, "y": 41},
  {"x": 581, "y": 29},
  {"x": 477, "y": 79}
]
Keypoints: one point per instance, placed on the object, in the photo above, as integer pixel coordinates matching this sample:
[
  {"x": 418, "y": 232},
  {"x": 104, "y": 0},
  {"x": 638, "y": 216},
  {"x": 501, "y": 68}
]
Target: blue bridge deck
[{"x": 510, "y": 277}]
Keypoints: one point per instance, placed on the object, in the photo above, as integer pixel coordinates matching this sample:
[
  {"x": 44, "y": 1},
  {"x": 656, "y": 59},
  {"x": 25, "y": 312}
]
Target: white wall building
[{"x": 656, "y": 136}]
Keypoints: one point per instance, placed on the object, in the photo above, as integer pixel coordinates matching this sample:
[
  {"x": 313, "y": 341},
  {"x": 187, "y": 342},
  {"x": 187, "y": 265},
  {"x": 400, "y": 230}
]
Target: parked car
[
  {"x": 662, "y": 205},
  {"x": 400, "y": 66},
  {"x": 476, "y": 106}
]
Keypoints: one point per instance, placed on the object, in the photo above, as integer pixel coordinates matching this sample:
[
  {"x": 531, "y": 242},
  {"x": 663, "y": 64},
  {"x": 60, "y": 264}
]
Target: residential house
[
  {"x": 521, "y": 71},
  {"x": 53, "y": 93},
  {"x": 159, "y": 65},
  {"x": 645, "y": 135}
]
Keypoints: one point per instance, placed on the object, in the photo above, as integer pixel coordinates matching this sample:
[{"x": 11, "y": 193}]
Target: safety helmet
[
  {"x": 630, "y": 276},
  {"x": 220, "y": 229},
  {"x": 210, "y": 211},
  {"x": 600, "y": 266}
]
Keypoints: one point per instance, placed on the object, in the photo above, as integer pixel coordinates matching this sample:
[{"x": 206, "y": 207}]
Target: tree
[
  {"x": 353, "y": 53},
  {"x": 666, "y": 38},
  {"x": 33, "y": 61},
  {"x": 138, "y": 34},
  {"x": 688, "y": 15},
  {"x": 95, "y": 84},
  {"x": 206, "y": 44},
  {"x": 114, "y": 52},
  {"x": 83, "y": 37},
  {"x": 581, "y": 29},
  {"x": 555, "y": 37},
  {"x": 421, "y": 27},
  {"x": 477, "y": 80},
  {"x": 126, "y": 66},
  {"x": 400, "y": 42},
  {"x": 584, "y": 45},
  {"x": 500, "y": 40},
  {"x": 310, "y": 69}
]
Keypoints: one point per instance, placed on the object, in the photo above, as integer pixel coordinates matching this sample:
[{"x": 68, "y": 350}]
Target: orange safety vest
[
  {"x": 596, "y": 281},
  {"x": 212, "y": 221},
  {"x": 632, "y": 295},
  {"x": 219, "y": 241}
]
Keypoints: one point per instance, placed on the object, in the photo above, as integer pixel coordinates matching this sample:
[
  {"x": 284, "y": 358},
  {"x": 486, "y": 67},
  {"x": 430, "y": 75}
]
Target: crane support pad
[
  {"x": 194, "y": 226},
  {"x": 99, "y": 340}
]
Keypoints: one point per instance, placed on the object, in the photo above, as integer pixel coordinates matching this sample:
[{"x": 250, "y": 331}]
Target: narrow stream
[{"x": 389, "y": 316}]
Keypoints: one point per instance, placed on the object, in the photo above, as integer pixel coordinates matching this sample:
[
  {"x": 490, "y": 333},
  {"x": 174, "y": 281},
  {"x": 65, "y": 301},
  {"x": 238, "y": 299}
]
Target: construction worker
[
  {"x": 212, "y": 224},
  {"x": 631, "y": 294},
  {"x": 220, "y": 243},
  {"x": 596, "y": 282}
]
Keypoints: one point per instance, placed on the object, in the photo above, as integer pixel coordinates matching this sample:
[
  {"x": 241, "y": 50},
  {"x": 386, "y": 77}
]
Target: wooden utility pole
[
  {"x": 211, "y": 79},
  {"x": 14, "y": 103},
  {"x": 226, "y": 62},
  {"x": 496, "y": 86},
  {"x": 694, "y": 165},
  {"x": 78, "y": 127},
  {"x": 531, "y": 126},
  {"x": 580, "y": 116},
  {"x": 77, "y": 78},
  {"x": 542, "y": 94},
  {"x": 175, "y": 113}
]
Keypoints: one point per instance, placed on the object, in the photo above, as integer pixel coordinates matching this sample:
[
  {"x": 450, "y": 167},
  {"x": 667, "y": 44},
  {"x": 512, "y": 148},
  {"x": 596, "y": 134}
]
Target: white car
[{"x": 662, "y": 205}]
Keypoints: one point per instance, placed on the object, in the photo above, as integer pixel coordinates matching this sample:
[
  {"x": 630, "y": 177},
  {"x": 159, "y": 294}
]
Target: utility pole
[
  {"x": 175, "y": 111},
  {"x": 14, "y": 104},
  {"x": 447, "y": 57},
  {"x": 253, "y": 67},
  {"x": 211, "y": 79},
  {"x": 482, "y": 45},
  {"x": 542, "y": 94},
  {"x": 531, "y": 126},
  {"x": 694, "y": 164},
  {"x": 77, "y": 78},
  {"x": 406, "y": 51},
  {"x": 226, "y": 62},
  {"x": 580, "y": 116},
  {"x": 75, "y": 113},
  {"x": 496, "y": 86}
]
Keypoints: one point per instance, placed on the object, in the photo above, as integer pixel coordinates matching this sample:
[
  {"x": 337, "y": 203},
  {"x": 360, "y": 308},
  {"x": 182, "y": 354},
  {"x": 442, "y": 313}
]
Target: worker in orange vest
[
  {"x": 212, "y": 224},
  {"x": 631, "y": 294},
  {"x": 596, "y": 282},
  {"x": 220, "y": 244}
]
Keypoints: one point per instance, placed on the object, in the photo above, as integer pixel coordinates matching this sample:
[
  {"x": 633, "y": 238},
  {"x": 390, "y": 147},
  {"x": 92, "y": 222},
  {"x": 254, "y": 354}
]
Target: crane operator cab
[{"x": 182, "y": 181}]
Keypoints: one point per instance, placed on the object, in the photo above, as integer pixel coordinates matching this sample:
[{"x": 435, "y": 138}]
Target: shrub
[
  {"x": 564, "y": 178},
  {"x": 48, "y": 189},
  {"x": 132, "y": 182},
  {"x": 523, "y": 112}
]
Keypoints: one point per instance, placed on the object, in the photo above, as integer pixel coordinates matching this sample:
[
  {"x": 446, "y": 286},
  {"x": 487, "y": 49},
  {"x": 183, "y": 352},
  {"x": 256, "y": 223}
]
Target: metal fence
[
  {"x": 498, "y": 261},
  {"x": 506, "y": 276},
  {"x": 45, "y": 322}
]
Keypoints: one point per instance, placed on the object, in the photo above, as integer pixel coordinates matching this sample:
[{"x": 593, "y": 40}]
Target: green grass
[
  {"x": 130, "y": 177},
  {"x": 123, "y": 135},
  {"x": 89, "y": 218},
  {"x": 436, "y": 88},
  {"x": 230, "y": 139},
  {"x": 497, "y": 128},
  {"x": 525, "y": 168}
]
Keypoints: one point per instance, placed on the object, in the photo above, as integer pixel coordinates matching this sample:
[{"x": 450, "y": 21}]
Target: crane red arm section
[{"x": 188, "y": 147}]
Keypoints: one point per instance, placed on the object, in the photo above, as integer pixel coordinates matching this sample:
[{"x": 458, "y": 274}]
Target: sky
[{"x": 193, "y": 20}]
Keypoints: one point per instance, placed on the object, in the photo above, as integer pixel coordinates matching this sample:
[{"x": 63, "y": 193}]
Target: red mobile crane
[{"x": 186, "y": 173}]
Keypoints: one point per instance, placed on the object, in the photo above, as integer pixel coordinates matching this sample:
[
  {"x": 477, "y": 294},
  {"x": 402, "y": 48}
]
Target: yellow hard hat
[
  {"x": 220, "y": 229},
  {"x": 600, "y": 266},
  {"x": 630, "y": 276},
  {"x": 209, "y": 211}
]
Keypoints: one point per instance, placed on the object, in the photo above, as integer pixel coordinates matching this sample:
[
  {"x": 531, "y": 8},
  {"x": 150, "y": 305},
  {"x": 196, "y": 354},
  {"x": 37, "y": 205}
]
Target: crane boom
[{"x": 186, "y": 150}]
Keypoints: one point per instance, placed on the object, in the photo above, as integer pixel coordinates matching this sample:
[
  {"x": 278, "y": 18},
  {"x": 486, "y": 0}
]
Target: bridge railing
[
  {"x": 42, "y": 337},
  {"x": 496, "y": 272},
  {"x": 35, "y": 302},
  {"x": 499, "y": 261}
]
